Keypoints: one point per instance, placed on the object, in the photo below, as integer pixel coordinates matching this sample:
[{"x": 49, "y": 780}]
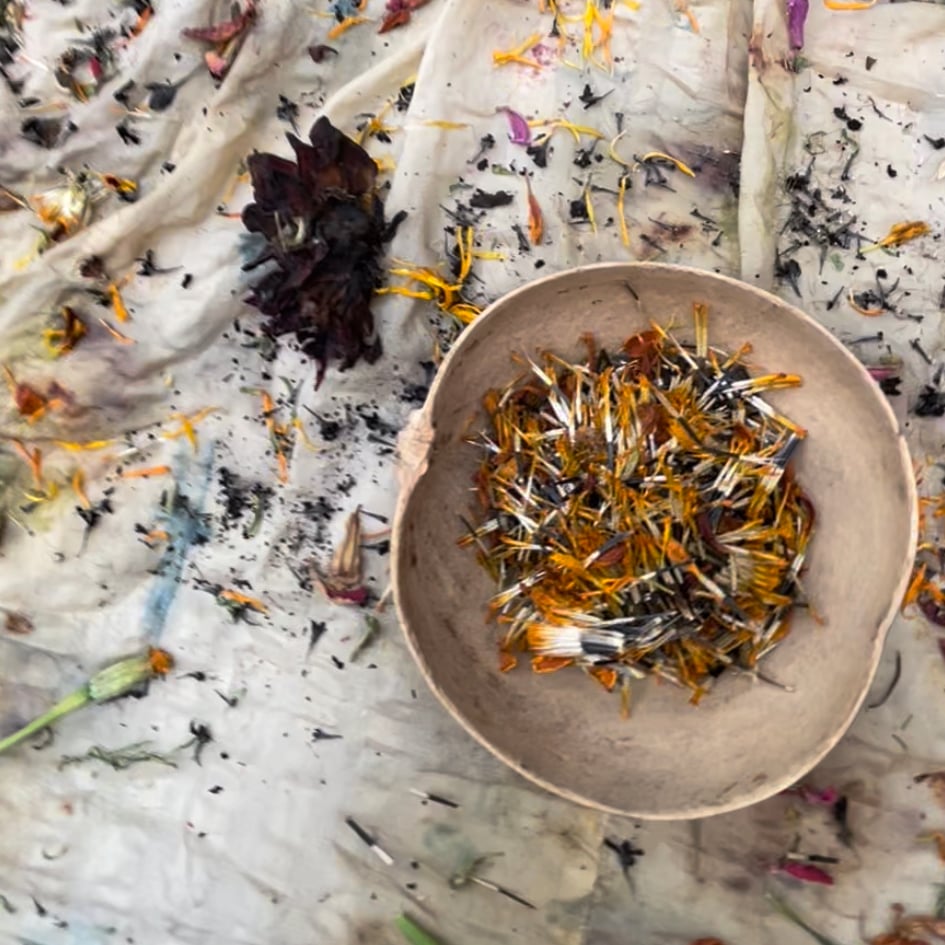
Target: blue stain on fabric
[
  {"x": 182, "y": 516},
  {"x": 342, "y": 9}
]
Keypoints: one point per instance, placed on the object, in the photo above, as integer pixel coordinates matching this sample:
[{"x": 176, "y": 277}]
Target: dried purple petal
[
  {"x": 519, "y": 132},
  {"x": 796, "y": 17},
  {"x": 324, "y": 229}
]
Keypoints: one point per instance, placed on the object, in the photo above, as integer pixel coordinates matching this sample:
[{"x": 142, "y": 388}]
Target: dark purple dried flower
[{"x": 324, "y": 228}]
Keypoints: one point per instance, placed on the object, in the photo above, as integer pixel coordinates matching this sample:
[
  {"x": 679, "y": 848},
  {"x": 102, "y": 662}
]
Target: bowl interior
[{"x": 746, "y": 740}]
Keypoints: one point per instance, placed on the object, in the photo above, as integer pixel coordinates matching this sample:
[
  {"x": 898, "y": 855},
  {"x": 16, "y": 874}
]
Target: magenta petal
[
  {"x": 356, "y": 595},
  {"x": 519, "y": 132},
  {"x": 796, "y": 17},
  {"x": 806, "y": 872}
]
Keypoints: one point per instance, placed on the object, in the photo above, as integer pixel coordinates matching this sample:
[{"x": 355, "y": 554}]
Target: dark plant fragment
[{"x": 324, "y": 229}]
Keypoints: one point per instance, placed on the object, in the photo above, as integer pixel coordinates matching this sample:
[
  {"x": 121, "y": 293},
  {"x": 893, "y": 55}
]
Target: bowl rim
[{"x": 748, "y": 796}]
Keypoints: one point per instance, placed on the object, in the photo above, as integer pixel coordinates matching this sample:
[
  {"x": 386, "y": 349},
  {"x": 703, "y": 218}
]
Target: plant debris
[
  {"x": 482, "y": 200},
  {"x": 225, "y": 38},
  {"x": 324, "y": 229},
  {"x": 343, "y": 582},
  {"x": 640, "y": 513},
  {"x": 398, "y": 13},
  {"x": 320, "y": 52},
  {"x": 17, "y": 623},
  {"x": 626, "y": 851}
]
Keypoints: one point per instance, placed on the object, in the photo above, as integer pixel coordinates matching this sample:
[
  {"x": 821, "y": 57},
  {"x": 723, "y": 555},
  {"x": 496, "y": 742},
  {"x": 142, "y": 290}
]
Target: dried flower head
[{"x": 324, "y": 229}]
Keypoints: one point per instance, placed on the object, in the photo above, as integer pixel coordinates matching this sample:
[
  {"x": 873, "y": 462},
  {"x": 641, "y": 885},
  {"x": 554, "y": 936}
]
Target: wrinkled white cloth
[{"x": 250, "y": 845}]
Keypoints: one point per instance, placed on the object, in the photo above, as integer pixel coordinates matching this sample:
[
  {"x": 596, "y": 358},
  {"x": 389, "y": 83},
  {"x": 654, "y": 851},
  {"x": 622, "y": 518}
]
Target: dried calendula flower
[
  {"x": 118, "y": 679},
  {"x": 64, "y": 210}
]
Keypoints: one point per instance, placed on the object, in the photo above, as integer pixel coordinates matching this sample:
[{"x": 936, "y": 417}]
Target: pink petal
[
  {"x": 805, "y": 872},
  {"x": 519, "y": 132},
  {"x": 216, "y": 64},
  {"x": 356, "y": 596}
]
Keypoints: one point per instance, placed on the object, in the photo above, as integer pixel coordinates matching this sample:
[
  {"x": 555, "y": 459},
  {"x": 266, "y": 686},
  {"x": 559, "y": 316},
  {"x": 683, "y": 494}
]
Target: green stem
[
  {"x": 412, "y": 932},
  {"x": 71, "y": 702}
]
